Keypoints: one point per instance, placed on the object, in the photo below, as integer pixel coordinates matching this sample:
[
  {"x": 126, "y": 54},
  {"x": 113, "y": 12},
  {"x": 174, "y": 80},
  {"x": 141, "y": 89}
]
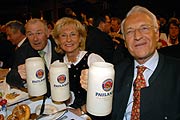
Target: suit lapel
[
  {"x": 123, "y": 88},
  {"x": 148, "y": 94},
  {"x": 157, "y": 70}
]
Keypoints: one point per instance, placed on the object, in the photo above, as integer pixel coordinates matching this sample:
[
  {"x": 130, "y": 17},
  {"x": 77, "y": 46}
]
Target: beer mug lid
[
  {"x": 58, "y": 64},
  {"x": 33, "y": 59},
  {"x": 102, "y": 64}
]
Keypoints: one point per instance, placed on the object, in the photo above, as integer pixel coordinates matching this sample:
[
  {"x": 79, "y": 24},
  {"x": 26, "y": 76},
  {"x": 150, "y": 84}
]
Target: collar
[
  {"x": 46, "y": 49},
  {"x": 151, "y": 64},
  {"x": 21, "y": 42}
]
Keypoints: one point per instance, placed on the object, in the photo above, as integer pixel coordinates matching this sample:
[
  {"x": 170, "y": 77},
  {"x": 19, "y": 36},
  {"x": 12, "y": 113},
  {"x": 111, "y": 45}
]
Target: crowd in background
[
  {"x": 104, "y": 38},
  {"x": 110, "y": 41}
]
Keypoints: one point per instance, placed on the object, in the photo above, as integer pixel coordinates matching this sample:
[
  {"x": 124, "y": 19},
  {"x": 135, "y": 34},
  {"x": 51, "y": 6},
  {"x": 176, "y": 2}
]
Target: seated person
[
  {"x": 37, "y": 33},
  {"x": 70, "y": 35}
]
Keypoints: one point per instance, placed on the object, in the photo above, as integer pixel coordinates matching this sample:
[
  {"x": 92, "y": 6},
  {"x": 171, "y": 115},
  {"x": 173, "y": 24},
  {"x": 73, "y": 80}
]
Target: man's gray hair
[{"x": 139, "y": 9}]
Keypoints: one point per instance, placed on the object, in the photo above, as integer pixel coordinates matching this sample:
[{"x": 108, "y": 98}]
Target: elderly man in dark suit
[
  {"x": 160, "y": 98},
  {"x": 37, "y": 33},
  {"x": 155, "y": 93}
]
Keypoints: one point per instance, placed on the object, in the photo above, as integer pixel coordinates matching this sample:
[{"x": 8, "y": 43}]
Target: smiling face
[
  {"x": 140, "y": 36},
  {"x": 69, "y": 39}
]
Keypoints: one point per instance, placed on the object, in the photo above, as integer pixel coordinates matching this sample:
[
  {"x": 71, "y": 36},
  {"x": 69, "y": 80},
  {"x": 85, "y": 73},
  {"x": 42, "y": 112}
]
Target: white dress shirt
[
  {"x": 48, "y": 54},
  {"x": 21, "y": 42},
  {"x": 92, "y": 58},
  {"x": 151, "y": 65}
]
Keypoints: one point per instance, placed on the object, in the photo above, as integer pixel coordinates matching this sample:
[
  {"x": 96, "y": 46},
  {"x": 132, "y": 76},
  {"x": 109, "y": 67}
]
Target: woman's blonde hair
[{"x": 66, "y": 21}]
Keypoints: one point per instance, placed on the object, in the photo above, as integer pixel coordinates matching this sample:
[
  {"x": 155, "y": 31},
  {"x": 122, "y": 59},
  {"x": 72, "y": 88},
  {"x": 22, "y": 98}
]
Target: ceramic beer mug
[
  {"x": 100, "y": 88},
  {"x": 36, "y": 78},
  {"x": 59, "y": 80}
]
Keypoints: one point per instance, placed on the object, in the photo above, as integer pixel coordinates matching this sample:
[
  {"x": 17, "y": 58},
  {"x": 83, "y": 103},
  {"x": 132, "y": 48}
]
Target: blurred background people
[
  {"x": 162, "y": 36},
  {"x": 115, "y": 32},
  {"x": 121, "y": 51},
  {"x": 6, "y": 55},
  {"x": 173, "y": 48},
  {"x": 70, "y": 13},
  {"x": 50, "y": 25},
  {"x": 90, "y": 21},
  {"x": 98, "y": 39},
  {"x": 6, "y": 52},
  {"x": 173, "y": 31},
  {"x": 15, "y": 32}
]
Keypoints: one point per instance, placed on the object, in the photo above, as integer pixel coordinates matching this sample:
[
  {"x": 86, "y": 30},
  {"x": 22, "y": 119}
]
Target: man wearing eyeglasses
[
  {"x": 146, "y": 87},
  {"x": 37, "y": 34}
]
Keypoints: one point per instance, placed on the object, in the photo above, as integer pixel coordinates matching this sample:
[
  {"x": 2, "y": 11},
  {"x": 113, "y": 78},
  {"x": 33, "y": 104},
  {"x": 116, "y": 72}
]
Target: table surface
[{"x": 67, "y": 116}]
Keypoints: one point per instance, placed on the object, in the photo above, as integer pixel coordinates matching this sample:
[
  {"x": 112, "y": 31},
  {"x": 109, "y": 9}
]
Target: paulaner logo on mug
[
  {"x": 40, "y": 73},
  {"x": 107, "y": 85},
  {"x": 100, "y": 88},
  {"x": 36, "y": 79},
  {"x": 59, "y": 80}
]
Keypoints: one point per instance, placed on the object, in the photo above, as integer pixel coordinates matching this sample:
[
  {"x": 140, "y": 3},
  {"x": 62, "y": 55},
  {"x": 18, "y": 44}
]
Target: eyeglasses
[
  {"x": 72, "y": 35},
  {"x": 144, "y": 29},
  {"x": 29, "y": 34}
]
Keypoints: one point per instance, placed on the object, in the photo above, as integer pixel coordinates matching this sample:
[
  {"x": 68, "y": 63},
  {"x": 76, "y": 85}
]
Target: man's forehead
[
  {"x": 137, "y": 20},
  {"x": 33, "y": 31}
]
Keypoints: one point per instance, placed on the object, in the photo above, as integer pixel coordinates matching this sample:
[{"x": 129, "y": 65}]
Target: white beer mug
[
  {"x": 100, "y": 88},
  {"x": 36, "y": 78},
  {"x": 59, "y": 80}
]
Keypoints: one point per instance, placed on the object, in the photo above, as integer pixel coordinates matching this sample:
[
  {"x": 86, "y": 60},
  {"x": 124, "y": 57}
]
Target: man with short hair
[
  {"x": 37, "y": 34},
  {"x": 15, "y": 32},
  {"x": 98, "y": 39}
]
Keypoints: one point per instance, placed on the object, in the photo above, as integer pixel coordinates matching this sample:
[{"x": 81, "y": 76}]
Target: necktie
[
  {"x": 138, "y": 84},
  {"x": 42, "y": 54}
]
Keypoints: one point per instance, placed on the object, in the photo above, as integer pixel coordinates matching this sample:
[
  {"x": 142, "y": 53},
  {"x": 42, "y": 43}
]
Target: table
[{"x": 27, "y": 100}]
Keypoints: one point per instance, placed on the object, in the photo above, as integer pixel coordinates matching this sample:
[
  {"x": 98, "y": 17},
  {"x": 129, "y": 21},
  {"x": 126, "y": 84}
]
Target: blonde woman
[{"x": 70, "y": 35}]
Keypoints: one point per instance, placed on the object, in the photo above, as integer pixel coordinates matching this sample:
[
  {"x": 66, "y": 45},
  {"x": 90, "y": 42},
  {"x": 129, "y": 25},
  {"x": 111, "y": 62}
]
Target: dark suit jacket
[
  {"x": 159, "y": 101},
  {"x": 25, "y": 41},
  {"x": 22, "y": 53},
  {"x": 100, "y": 43},
  {"x": 6, "y": 51},
  {"x": 173, "y": 50}
]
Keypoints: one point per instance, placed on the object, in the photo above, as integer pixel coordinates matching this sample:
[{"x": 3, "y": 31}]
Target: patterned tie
[
  {"x": 138, "y": 84},
  {"x": 42, "y": 54}
]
